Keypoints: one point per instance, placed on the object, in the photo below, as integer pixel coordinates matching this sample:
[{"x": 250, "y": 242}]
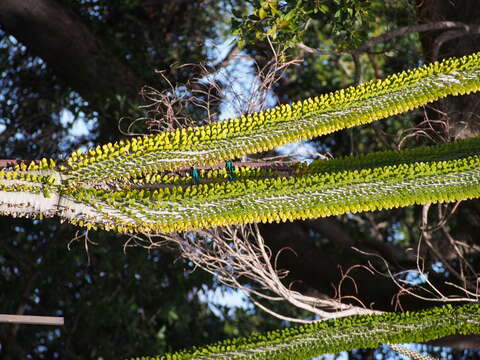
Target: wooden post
[{"x": 33, "y": 320}]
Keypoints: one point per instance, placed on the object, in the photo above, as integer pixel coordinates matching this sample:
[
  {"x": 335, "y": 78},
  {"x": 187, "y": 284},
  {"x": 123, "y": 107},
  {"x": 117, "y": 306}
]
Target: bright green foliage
[
  {"x": 210, "y": 144},
  {"x": 35, "y": 178},
  {"x": 134, "y": 186},
  {"x": 448, "y": 172},
  {"x": 385, "y": 183},
  {"x": 333, "y": 336}
]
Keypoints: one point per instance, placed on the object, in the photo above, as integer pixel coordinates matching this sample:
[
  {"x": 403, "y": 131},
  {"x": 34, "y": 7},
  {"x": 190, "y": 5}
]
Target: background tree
[{"x": 92, "y": 60}]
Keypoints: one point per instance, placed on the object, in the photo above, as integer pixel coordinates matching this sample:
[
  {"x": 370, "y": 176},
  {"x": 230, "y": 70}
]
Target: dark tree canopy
[{"x": 91, "y": 58}]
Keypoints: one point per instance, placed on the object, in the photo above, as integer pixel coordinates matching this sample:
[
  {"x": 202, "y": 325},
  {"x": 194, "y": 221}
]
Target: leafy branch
[
  {"x": 333, "y": 336},
  {"x": 136, "y": 185}
]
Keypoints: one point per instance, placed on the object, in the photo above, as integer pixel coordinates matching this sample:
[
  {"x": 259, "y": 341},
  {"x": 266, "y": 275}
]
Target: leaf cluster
[
  {"x": 332, "y": 336},
  {"x": 285, "y": 22}
]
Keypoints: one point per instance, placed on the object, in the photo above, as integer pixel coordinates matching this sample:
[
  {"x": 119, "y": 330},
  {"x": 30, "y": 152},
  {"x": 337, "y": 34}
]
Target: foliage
[
  {"x": 33, "y": 98},
  {"x": 347, "y": 22},
  {"x": 157, "y": 203},
  {"x": 333, "y": 336},
  {"x": 278, "y": 126}
]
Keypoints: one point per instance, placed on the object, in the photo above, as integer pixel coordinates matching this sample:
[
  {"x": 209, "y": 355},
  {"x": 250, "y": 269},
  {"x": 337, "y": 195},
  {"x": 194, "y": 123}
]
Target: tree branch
[
  {"x": 231, "y": 54},
  {"x": 452, "y": 35},
  {"x": 440, "y": 25}
]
